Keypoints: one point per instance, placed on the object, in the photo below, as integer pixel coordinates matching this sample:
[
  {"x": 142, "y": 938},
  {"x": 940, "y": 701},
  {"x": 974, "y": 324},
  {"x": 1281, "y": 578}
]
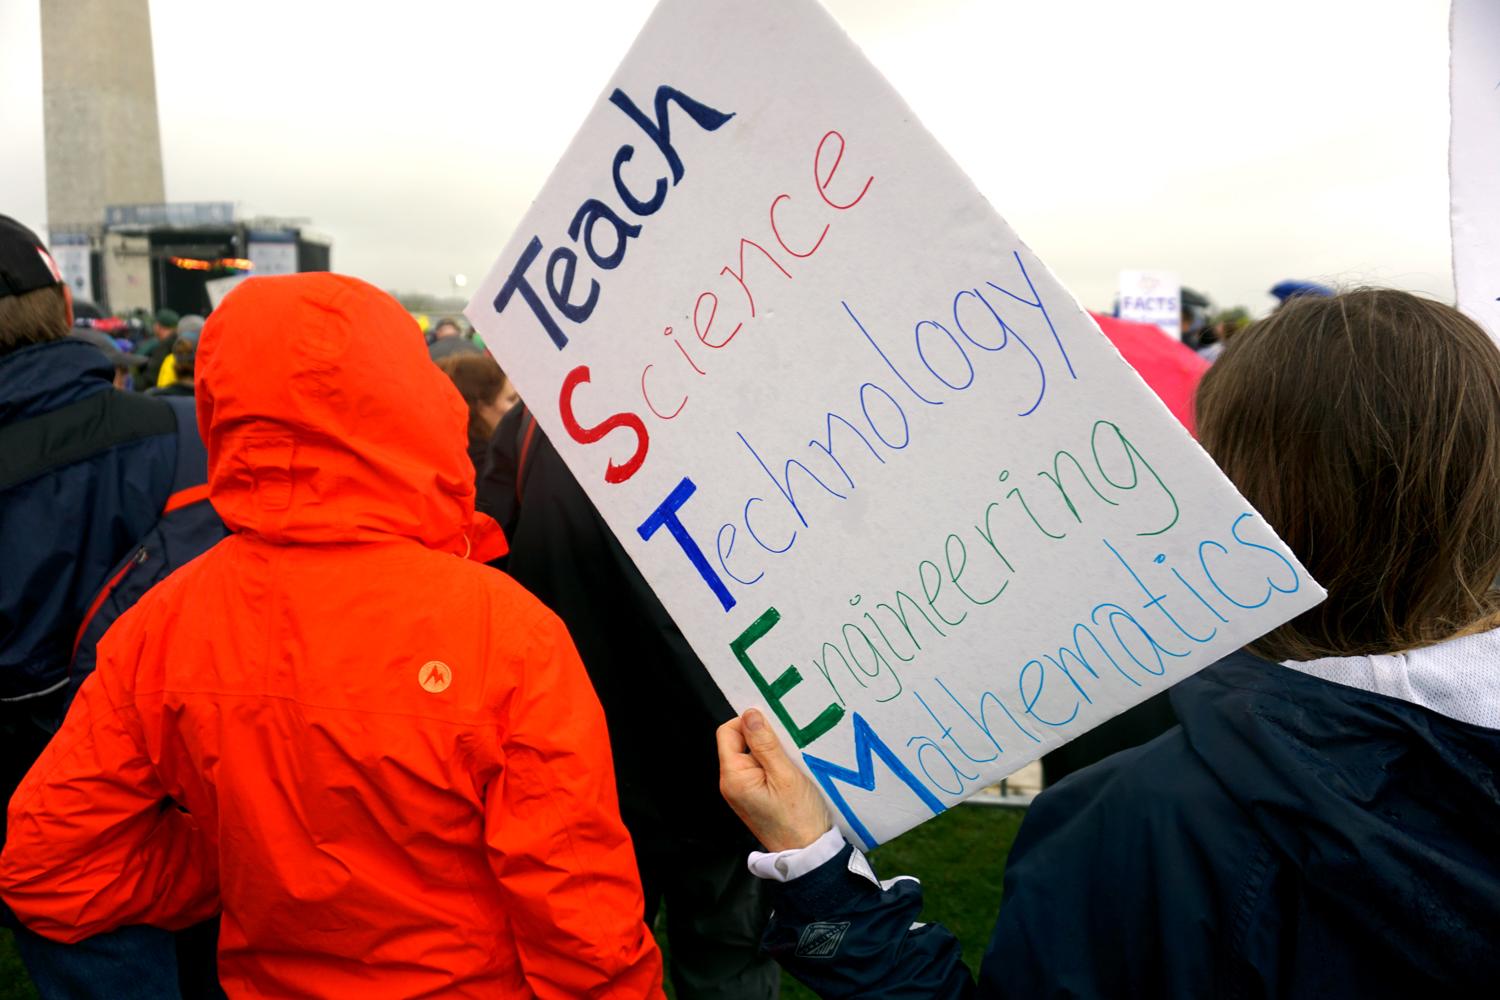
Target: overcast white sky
[{"x": 1237, "y": 143}]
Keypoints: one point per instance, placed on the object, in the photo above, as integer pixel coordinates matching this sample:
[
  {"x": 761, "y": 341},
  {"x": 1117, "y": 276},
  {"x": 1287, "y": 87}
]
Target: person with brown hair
[
  {"x": 1322, "y": 822},
  {"x": 184, "y": 343},
  {"x": 181, "y": 371},
  {"x": 86, "y": 472},
  {"x": 488, "y": 394},
  {"x": 1388, "y": 407}
]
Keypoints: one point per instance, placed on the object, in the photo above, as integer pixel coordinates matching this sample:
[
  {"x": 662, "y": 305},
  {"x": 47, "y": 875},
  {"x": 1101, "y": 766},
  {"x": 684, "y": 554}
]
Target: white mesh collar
[{"x": 1459, "y": 678}]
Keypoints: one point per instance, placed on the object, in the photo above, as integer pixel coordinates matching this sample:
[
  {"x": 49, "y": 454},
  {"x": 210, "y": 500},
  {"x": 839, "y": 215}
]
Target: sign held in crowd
[
  {"x": 1153, "y": 297},
  {"x": 884, "y": 472},
  {"x": 1474, "y": 159}
]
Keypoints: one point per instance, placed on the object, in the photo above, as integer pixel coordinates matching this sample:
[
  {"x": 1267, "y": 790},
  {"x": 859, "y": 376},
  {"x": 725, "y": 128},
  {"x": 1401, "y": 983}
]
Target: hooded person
[{"x": 379, "y": 757}]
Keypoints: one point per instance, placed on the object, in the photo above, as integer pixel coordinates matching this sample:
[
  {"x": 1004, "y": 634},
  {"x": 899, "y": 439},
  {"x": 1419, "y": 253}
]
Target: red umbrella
[{"x": 1170, "y": 368}]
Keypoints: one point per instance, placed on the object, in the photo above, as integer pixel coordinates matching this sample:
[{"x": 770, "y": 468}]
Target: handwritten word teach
[{"x": 562, "y": 265}]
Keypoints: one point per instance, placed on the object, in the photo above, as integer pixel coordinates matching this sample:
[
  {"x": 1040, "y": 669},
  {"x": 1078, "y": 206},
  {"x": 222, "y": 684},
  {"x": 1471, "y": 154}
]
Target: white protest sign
[
  {"x": 1153, "y": 297},
  {"x": 73, "y": 261},
  {"x": 271, "y": 257},
  {"x": 1474, "y": 159},
  {"x": 217, "y": 288},
  {"x": 884, "y": 472}
]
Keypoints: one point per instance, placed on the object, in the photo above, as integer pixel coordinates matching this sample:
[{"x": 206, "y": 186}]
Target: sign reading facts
[
  {"x": 1474, "y": 159},
  {"x": 885, "y": 473},
  {"x": 1153, "y": 297}
]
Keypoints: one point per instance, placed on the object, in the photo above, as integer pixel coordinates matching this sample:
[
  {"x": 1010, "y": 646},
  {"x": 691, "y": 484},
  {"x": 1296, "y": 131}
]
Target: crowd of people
[
  {"x": 154, "y": 353},
  {"x": 320, "y": 675},
  {"x": 1207, "y": 331}
]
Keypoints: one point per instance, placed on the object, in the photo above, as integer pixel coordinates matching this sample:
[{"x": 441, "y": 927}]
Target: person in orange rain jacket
[{"x": 380, "y": 758}]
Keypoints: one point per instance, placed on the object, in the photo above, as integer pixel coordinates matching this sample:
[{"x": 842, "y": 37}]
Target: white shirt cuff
[{"x": 783, "y": 866}]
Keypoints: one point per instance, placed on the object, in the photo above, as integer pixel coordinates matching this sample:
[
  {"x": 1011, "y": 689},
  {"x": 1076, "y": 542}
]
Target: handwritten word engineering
[{"x": 899, "y": 626}]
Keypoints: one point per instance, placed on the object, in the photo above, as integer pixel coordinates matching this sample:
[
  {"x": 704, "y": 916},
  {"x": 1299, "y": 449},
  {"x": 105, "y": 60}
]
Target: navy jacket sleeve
[{"x": 844, "y": 934}]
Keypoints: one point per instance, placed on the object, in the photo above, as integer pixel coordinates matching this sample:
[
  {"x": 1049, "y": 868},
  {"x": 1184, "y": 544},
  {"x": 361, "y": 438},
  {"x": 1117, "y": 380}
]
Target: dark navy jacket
[
  {"x": 1291, "y": 838},
  {"x": 641, "y": 667},
  {"x": 84, "y": 473}
]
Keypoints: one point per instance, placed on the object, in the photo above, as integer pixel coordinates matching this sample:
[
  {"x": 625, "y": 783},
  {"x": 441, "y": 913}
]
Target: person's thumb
[{"x": 763, "y": 744}]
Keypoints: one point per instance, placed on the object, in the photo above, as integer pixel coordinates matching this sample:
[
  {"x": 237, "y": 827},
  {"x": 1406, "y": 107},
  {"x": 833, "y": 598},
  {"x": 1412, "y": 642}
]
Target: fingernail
[{"x": 754, "y": 721}]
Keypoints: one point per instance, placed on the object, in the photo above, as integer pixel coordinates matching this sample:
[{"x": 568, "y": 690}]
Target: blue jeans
[{"x": 132, "y": 963}]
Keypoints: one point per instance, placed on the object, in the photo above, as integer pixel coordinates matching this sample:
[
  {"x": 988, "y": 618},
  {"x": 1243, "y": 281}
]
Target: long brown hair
[
  {"x": 479, "y": 380},
  {"x": 1365, "y": 428}
]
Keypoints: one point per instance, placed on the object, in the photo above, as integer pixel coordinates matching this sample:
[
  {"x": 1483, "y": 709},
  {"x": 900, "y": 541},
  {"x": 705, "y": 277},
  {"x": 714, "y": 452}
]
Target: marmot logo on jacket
[{"x": 435, "y": 676}]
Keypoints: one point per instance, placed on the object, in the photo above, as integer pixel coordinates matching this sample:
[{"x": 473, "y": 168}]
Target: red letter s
[{"x": 588, "y": 435}]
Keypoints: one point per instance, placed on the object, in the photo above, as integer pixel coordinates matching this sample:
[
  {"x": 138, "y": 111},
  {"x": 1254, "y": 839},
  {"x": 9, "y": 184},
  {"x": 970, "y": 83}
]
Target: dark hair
[
  {"x": 33, "y": 317},
  {"x": 1365, "y": 428},
  {"x": 479, "y": 380},
  {"x": 184, "y": 354}
]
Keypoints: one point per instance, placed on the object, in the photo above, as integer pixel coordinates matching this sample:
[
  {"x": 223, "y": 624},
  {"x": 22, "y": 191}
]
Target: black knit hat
[{"x": 25, "y": 264}]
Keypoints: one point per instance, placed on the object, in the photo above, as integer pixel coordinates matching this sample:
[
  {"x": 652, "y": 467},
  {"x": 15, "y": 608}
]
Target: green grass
[
  {"x": 14, "y": 983},
  {"x": 959, "y": 856}
]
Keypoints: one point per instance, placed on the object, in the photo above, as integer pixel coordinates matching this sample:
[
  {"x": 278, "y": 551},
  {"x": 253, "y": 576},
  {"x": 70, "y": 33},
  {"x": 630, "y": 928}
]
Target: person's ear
[{"x": 68, "y": 298}]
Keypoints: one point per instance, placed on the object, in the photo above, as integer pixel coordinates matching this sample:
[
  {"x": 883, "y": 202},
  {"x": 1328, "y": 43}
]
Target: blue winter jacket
[
  {"x": 84, "y": 472},
  {"x": 1291, "y": 838}
]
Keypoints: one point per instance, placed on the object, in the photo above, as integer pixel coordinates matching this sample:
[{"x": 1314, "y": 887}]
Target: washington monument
[{"x": 99, "y": 109}]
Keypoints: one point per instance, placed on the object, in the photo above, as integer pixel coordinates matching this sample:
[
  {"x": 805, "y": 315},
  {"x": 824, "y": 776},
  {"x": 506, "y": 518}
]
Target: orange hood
[{"x": 326, "y": 421}]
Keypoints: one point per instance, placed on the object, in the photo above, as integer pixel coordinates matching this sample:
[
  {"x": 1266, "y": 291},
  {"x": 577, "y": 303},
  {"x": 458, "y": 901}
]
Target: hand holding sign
[
  {"x": 886, "y": 475},
  {"x": 765, "y": 789}
]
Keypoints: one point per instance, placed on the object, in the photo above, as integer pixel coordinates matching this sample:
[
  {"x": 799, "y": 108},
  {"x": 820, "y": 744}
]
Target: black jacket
[
  {"x": 660, "y": 704},
  {"x": 84, "y": 472},
  {"x": 1292, "y": 838}
]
